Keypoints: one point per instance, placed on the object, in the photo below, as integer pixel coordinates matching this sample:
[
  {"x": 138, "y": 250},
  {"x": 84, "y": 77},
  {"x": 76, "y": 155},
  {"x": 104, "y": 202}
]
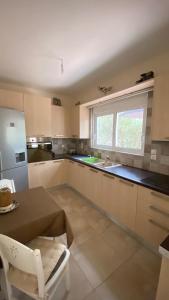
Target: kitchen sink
[
  {"x": 92, "y": 160},
  {"x": 100, "y": 163},
  {"x": 107, "y": 165}
]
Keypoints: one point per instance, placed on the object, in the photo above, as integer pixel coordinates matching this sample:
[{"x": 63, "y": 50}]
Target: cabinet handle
[
  {"x": 160, "y": 196},
  {"x": 94, "y": 171},
  {"x": 159, "y": 225},
  {"x": 56, "y": 161},
  {"x": 126, "y": 182},
  {"x": 108, "y": 176},
  {"x": 59, "y": 135},
  {"x": 39, "y": 163},
  {"x": 82, "y": 166},
  {"x": 159, "y": 210}
]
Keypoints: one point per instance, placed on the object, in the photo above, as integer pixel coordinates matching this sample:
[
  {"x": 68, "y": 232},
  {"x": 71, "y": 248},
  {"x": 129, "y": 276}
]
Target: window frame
[{"x": 115, "y": 107}]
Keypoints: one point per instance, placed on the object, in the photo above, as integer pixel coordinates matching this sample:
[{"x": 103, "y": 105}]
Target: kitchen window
[{"x": 120, "y": 126}]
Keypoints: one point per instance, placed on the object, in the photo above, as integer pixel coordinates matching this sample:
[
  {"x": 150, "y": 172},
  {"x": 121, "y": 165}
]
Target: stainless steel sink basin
[{"x": 107, "y": 165}]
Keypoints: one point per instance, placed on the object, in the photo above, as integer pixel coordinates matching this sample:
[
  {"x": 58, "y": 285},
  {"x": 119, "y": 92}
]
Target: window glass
[
  {"x": 120, "y": 125},
  {"x": 104, "y": 130},
  {"x": 129, "y": 127}
]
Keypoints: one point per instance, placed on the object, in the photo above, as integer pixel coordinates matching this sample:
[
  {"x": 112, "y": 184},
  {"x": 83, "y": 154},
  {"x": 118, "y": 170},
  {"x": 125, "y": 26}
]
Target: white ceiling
[{"x": 87, "y": 34}]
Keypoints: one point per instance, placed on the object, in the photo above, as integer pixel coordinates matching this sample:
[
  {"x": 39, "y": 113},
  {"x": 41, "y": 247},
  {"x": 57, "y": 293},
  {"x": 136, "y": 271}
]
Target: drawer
[
  {"x": 148, "y": 198},
  {"x": 152, "y": 217},
  {"x": 152, "y": 230},
  {"x": 159, "y": 214}
]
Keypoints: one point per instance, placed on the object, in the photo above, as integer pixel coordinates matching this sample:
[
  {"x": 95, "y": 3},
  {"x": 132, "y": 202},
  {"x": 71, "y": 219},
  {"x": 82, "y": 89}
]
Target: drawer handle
[
  {"x": 108, "y": 176},
  {"x": 94, "y": 171},
  {"x": 159, "y": 210},
  {"x": 126, "y": 182},
  {"x": 82, "y": 166},
  {"x": 56, "y": 161},
  {"x": 159, "y": 225},
  {"x": 40, "y": 163},
  {"x": 160, "y": 196}
]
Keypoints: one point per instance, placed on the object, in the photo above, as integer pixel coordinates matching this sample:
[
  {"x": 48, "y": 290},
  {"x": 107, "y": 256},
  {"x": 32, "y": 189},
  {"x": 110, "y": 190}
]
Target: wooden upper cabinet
[
  {"x": 37, "y": 115},
  {"x": 160, "y": 112},
  {"x": 60, "y": 121},
  {"x": 80, "y": 122},
  {"x": 11, "y": 99}
]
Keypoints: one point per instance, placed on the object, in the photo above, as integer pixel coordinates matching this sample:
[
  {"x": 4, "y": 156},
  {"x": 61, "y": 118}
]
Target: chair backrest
[
  {"x": 23, "y": 258},
  {"x": 8, "y": 183},
  {"x": 17, "y": 254}
]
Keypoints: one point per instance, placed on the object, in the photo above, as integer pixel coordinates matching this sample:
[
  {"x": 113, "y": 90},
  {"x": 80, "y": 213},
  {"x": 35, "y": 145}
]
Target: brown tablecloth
[{"x": 37, "y": 214}]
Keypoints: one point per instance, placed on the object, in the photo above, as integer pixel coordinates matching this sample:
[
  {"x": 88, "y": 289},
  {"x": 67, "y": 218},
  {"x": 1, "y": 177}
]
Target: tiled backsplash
[{"x": 160, "y": 165}]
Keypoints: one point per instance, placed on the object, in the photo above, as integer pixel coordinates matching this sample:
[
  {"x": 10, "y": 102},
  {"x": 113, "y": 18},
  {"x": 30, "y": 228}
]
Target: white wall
[{"x": 126, "y": 78}]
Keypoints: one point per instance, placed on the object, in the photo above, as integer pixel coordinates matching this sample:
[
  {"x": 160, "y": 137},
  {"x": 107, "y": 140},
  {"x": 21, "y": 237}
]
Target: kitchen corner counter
[
  {"x": 155, "y": 181},
  {"x": 164, "y": 247}
]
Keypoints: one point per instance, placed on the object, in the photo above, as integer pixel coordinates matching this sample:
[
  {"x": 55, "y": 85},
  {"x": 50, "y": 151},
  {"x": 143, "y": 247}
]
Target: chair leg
[
  {"x": 8, "y": 291},
  {"x": 67, "y": 278}
]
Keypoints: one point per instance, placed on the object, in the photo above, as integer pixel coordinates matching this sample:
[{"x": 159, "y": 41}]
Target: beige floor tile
[
  {"x": 113, "y": 262},
  {"x": 135, "y": 280},
  {"x": 98, "y": 260},
  {"x": 80, "y": 286},
  {"x": 120, "y": 241},
  {"x": 94, "y": 296}
]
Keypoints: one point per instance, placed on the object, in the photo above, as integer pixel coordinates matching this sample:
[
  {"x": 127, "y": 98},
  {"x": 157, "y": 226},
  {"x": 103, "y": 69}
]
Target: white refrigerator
[{"x": 13, "y": 153}]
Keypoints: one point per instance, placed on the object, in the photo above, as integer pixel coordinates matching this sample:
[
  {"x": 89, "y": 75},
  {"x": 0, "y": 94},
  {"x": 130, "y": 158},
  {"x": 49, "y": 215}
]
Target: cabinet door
[
  {"x": 11, "y": 99},
  {"x": 36, "y": 174},
  {"x": 152, "y": 219},
  {"x": 126, "y": 195},
  {"x": 37, "y": 115},
  {"x": 80, "y": 122},
  {"x": 56, "y": 173},
  {"x": 94, "y": 185},
  {"x": 160, "y": 111},
  {"x": 108, "y": 199},
  {"x": 81, "y": 179},
  {"x": 72, "y": 174},
  {"x": 60, "y": 121}
]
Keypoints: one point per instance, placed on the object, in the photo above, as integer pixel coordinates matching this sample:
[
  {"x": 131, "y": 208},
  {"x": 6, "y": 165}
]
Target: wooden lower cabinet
[
  {"x": 93, "y": 185},
  {"x": 127, "y": 201},
  {"x": 109, "y": 196},
  {"x": 152, "y": 219},
  {"x": 142, "y": 210},
  {"x": 47, "y": 174},
  {"x": 72, "y": 174}
]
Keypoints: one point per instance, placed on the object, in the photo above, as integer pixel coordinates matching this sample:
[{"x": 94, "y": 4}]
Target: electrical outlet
[
  {"x": 153, "y": 156},
  {"x": 153, "y": 152}
]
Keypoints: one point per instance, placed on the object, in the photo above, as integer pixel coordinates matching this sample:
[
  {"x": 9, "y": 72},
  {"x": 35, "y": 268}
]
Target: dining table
[{"x": 37, "y": 214}]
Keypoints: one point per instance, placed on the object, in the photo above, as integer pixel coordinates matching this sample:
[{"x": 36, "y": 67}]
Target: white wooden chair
[
  {"x": 7, "y": 183},
  {"x": 35, "y": 270}
]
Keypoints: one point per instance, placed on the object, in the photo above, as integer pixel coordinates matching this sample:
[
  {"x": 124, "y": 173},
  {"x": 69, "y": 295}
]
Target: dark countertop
[
  {"x": 165, "y": 244},
  {"x": 148, "y": 179},
  {"x": 155, "y": 181}
]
